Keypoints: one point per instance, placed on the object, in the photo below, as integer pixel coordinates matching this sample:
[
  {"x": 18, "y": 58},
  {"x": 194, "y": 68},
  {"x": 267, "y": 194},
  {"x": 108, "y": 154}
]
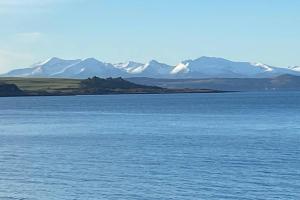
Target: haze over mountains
[{"x": 203, "y": 67}]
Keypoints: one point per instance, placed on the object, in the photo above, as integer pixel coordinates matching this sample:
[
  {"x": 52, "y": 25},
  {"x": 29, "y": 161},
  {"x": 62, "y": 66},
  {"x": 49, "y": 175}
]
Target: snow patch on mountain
[
  {"x": 154, "y": 69},
  {"x": 295, "y": 68},
  {"x": 180, "y": 68}
]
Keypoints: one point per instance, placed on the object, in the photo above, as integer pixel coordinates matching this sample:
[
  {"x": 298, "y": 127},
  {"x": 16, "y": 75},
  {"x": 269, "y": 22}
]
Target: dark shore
[{"x": 11, "y": 87}]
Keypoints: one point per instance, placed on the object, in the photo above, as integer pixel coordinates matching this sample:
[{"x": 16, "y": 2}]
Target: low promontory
[{"x": 90, "y": 86}]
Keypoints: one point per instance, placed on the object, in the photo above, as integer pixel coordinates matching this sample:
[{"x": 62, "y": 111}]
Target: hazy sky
[{"x": 266, "y": 31}]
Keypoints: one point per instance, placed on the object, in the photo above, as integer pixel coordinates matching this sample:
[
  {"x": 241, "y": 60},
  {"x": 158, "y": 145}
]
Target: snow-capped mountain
[
  {"x": 203, "y": 67},
  {"x": 222, "y": 68},
  {"x": 151, "y": 69},
  {"x": 44, "y": 69},
  {"x": 295, "y": 68},
  {"x": 89, "y": 67},
  {"x": 56, "y": 67}
]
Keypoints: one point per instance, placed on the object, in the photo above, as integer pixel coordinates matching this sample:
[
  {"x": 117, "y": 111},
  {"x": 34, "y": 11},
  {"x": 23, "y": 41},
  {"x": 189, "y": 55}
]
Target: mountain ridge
[{"x": 203, "y": 67}]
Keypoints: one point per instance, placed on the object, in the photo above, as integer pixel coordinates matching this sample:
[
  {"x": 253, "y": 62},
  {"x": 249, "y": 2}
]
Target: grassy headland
[
  {"x": 43, "y": 84},
  {"x": 91, "y": 86}
]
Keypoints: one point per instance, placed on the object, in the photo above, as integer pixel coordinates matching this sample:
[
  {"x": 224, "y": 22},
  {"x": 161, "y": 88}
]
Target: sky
[{"x": 170, "y": 31}]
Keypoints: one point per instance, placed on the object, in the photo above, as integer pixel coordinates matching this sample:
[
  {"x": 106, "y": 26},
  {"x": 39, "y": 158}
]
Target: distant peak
[
  {"x": 212, "y": 58},
  {"x": 154, "y": 62},
  {"x": 207, "y": 57},
  {"x": 51, "y": 60},
  {"x": 91, "y": 60},
  {"x": 55, "y": 60}
]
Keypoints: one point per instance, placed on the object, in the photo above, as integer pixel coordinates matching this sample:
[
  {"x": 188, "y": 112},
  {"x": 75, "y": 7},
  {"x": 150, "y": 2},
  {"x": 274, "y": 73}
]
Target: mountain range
[{"x": 203, "y": 67}]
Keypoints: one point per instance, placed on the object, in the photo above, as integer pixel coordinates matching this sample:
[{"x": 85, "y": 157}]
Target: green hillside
[{"x": 43, "y": 84}]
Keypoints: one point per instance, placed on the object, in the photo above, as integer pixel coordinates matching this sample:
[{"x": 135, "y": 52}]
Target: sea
[{"x": 237, "y": 146}]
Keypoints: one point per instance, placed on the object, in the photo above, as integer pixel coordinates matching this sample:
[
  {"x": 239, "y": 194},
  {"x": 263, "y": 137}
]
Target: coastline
[{"x": 22, "y": 87}]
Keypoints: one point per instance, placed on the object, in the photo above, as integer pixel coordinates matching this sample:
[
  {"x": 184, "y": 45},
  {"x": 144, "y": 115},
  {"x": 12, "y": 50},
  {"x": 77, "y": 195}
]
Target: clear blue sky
[{"x": 266, "y": 31}]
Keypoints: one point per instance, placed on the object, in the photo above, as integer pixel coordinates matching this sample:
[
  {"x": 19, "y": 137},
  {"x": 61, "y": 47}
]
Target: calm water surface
[{"x": 137, "y": 147}]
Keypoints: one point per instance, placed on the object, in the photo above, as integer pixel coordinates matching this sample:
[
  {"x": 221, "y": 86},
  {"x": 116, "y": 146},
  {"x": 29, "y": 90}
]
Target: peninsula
[{"x": 90, "y": 86}]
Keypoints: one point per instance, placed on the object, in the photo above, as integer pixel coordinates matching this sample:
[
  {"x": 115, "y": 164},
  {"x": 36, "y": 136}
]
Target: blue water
[{"x": 181, "y": 146}]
